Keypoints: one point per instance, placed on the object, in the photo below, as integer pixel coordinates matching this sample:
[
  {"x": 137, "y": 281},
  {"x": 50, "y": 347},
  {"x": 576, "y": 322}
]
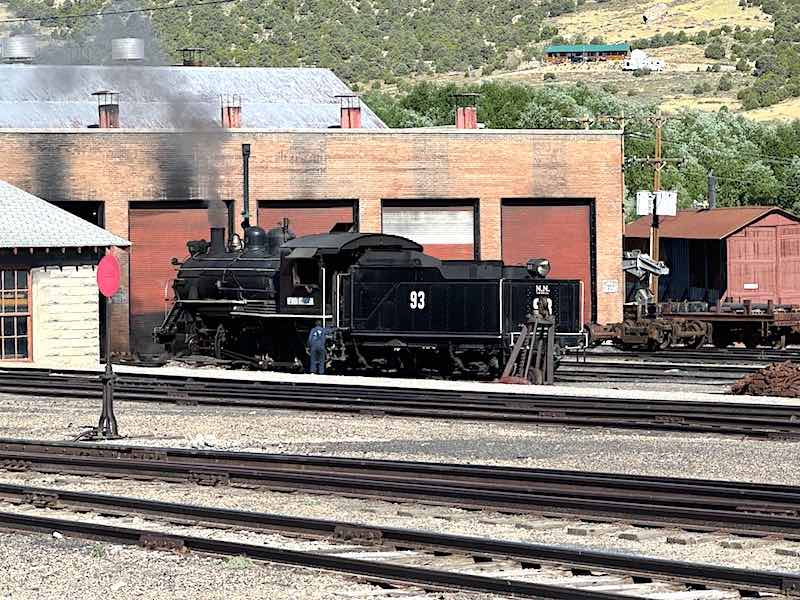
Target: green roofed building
[{"x": 586, "y": 52}]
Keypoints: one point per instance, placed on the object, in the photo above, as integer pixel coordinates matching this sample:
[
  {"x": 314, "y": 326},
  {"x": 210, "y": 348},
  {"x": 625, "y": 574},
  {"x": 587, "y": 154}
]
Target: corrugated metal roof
[
  {"x": 704, "y": 224},
  {"x": 30, "y": 222},
  {"x": 55, "y": 96},
  {"x": 581, "y": 48}
]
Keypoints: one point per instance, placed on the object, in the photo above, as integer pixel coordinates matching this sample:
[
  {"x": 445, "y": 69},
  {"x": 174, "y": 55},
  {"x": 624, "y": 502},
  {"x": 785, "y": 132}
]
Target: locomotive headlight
[{"x": 539, "y": 267}]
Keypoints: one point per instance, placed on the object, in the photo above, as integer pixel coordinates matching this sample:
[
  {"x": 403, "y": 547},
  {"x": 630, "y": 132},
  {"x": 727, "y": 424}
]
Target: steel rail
[
  {"x": 752, "y": 419},
  {"x": 750, "y": 509},
  {"x": 704, "y": 355},
  {"x": 652, "y": 369},
  {"x": 739, "y": 579},
  {"x": 428, "y": 578}
]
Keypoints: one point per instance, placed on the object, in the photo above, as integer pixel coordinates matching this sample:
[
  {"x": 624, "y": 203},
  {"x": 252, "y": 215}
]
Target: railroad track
[
  {"x": 605, "y": 367},
  {"x": 743, "y": 356},
  {"x": 421, "y": 559},
  {"x": 696, "y": 505},
  {"x": 752, "y": 419}
]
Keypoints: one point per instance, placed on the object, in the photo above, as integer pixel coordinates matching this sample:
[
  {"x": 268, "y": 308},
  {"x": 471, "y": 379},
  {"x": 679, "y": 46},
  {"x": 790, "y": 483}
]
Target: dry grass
[
  {"x": 783, "y": 111},
  {"x": 621, "y": 20},
  {"x": 704, "y": 103}
]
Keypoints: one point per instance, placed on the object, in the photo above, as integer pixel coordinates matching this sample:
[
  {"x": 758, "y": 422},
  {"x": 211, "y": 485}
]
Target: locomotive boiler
[{"x": 389, "y": 307}]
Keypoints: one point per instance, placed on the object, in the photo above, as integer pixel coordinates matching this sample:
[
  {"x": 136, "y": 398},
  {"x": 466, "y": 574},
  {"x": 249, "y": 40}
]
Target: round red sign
[{"x": 108, "y": 273}]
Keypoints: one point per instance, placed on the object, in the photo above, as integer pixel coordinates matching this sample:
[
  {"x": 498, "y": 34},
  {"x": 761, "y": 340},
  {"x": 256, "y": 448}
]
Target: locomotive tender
[{"x": 390, "y": 307}]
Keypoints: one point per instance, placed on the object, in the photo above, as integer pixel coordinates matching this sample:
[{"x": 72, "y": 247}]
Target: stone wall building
[{"x": 49, "y": 303}]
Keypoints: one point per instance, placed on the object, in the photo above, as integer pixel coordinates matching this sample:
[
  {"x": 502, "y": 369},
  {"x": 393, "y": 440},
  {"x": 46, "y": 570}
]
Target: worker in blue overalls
[{"x": 316, "y": 348}]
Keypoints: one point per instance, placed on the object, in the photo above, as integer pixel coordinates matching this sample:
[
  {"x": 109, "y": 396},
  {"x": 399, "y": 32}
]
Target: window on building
[{"x": 15, "y": 314}]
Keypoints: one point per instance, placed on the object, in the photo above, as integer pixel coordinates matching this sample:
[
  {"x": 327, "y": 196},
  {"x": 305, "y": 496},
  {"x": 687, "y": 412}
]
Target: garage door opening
[
  {"x": 561, "y": 230},
  {"x": 445, "y": 228},
  {"x": 307, "y": 217},
  {"x": 158, "y": 232}
]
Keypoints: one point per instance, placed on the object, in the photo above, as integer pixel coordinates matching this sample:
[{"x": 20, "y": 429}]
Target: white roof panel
[{"x": 27, "y": 221}]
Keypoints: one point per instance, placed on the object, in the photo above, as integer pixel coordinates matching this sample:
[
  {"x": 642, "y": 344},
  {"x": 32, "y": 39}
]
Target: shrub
[
  {"x": 725, "y": 83},
  {"x": 743, "y": 66},
  {"x": 715, "y": 50},
  {"x": 701, "y": 88},
  {"x": 641, "y": 72},
  {"x": 550, "y": 77}
]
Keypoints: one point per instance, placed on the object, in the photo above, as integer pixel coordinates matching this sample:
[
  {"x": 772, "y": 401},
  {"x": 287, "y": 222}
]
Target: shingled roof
[
  {"x": 704, "y": 224},
  {"x": 27, "y": 221},
  {"x": 59, "y": 96}
]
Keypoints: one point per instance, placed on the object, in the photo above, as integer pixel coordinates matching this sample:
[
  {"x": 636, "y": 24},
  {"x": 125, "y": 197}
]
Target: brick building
[{"x": 462, "y": 193}]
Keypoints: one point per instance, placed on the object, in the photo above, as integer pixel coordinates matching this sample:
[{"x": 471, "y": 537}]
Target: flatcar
[
  {"x": 389, "y": 307},
  {"x": 695, "y": 324}
]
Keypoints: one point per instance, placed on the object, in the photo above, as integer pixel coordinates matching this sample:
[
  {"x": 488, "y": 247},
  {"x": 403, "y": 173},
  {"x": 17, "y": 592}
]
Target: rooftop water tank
[
  {"x": 127, "y": 50},
  {"x": 19, "y": 48}
]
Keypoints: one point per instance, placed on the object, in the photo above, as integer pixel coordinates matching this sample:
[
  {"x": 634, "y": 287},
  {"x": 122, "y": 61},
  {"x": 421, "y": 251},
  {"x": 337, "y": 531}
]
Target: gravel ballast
[{"x": 592, "y": 449}]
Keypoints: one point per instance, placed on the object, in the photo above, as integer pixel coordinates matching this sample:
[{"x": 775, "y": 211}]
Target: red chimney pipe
[
  {"x": 466, "y": 110},
  {"x": 349, "y": 111},
  {"x": 107, "y": 109},
  {"x": 231, "y": 109},
  {"x": 466, "y": 117}
]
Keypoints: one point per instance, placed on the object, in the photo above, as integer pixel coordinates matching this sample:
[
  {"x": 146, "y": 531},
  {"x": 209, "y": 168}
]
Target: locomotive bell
[{"x": 538, "y": 267}]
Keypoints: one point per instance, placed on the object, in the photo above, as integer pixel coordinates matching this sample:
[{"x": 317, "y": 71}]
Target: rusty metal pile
[{"x": 781, "y": 379}]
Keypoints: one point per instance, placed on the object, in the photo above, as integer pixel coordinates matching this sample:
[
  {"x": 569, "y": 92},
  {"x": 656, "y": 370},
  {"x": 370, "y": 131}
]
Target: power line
[
  {"x": 696, "y": 144},
  {"x": 104, "y": 13}
]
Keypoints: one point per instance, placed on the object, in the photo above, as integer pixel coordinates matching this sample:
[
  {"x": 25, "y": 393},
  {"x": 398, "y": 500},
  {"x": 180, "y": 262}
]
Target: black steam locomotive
[{"x": 390, "y": 307}]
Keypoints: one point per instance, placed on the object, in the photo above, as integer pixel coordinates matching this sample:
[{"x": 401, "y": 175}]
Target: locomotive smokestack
[
  {"x": 245, "y": 186},
  {"x": 217, "y": 240}
]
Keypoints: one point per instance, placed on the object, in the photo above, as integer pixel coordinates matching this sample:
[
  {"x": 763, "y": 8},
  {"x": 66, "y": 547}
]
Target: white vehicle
[{"x": 640, "y": 60}]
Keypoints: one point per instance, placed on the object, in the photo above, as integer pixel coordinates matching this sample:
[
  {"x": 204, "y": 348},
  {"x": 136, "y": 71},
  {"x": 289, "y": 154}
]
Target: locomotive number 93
[{"x": 389, "y": 307}]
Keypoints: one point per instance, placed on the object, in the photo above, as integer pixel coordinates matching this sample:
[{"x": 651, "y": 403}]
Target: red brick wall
[{"x": 125, "y": 165}]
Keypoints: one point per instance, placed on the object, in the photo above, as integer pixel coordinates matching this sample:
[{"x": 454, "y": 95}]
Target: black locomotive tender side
[{"x": 390, "y": 307}]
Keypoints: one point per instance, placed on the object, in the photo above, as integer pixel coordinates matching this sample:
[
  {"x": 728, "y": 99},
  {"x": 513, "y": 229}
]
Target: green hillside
[
  {"x": 360, "y": 39},
  {"x": 378, "y": 42}
]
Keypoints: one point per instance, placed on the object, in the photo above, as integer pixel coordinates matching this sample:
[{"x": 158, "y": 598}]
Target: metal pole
[
  {"x": 245, "y": 186},
  {"x": 712, "y": 190},
  {"x": 107, "y": 427},
  {"x": 654, "y": 241}
]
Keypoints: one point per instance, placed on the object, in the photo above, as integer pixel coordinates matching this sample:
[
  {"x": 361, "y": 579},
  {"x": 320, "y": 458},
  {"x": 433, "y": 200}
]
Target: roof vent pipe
[
  {"x": 107, "y": 109},
  {"x": 349, "y": 111},
  {"x": 231, "y": 109},
  {"x": 466, "y": 104}
]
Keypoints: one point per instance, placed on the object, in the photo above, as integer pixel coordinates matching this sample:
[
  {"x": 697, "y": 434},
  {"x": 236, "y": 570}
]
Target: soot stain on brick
[
  {"x": 51, "y": 170},
  {"x": 188, "y": 155}
]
